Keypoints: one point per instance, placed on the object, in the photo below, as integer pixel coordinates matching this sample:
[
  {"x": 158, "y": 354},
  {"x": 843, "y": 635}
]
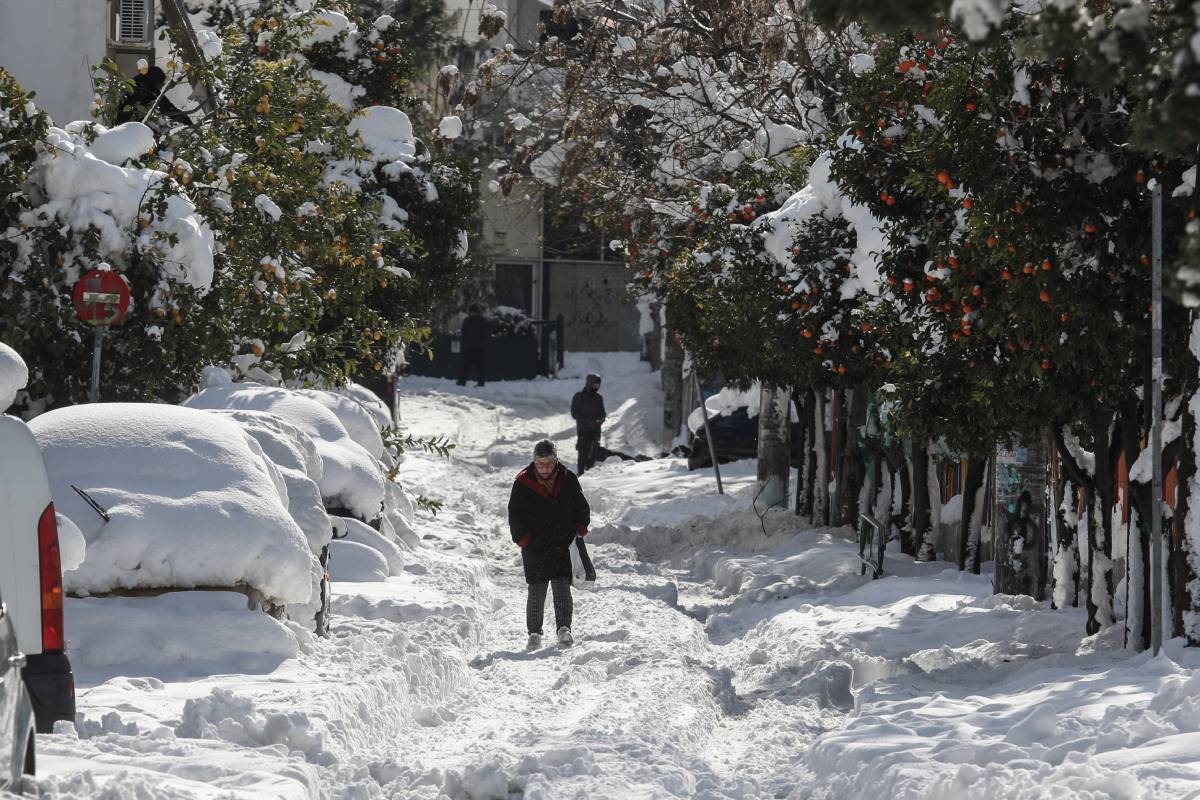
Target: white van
[{"x": 31, "y": 574}]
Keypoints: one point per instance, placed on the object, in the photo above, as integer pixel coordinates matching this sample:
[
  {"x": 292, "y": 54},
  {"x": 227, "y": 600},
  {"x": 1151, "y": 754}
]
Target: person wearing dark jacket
[
  {"x": 148, "y": 94},
  {"x": 474, "y": 342},
  {"x": 587, "y": 407},
  {"x": 546, "y": 513}
]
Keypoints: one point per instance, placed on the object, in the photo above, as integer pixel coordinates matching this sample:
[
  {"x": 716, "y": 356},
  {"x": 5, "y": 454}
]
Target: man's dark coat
[{"x": 544, "y": 522}]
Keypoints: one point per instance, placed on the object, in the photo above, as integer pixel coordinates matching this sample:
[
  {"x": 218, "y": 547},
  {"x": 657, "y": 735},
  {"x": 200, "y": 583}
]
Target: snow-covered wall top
[
  {"x": 50, "y": 46},
  {"x": 192, "y": 501}
]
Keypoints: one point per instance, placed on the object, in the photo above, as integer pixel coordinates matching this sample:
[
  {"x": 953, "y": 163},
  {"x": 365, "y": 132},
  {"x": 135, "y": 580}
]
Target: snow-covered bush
[
  {"x": 509, "y": 321},
  {"x": 75, "y": 198}
]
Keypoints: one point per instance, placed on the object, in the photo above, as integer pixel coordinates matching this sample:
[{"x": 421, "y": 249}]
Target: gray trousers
[{"x": 535, "y": 605}]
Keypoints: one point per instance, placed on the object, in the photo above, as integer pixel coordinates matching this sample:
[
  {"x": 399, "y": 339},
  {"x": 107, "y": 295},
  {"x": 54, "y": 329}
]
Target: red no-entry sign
[{"x": 101, "y": 298}]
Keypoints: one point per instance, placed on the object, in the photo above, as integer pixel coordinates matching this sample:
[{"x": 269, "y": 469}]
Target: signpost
[{"x": 101, "y": 299}]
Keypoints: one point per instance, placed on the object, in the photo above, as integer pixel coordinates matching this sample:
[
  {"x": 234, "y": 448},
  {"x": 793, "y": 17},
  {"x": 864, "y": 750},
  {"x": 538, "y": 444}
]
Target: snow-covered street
[{"x": 720, "y": 656}]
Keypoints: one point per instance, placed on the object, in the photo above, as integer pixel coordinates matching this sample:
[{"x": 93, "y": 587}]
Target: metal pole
[
  {"x": 1156, "y": 555},
  {"x": 97, "y": 345},
  {"x": 712, "y": 448}
]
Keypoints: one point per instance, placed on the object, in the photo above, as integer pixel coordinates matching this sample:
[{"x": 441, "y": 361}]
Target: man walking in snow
[
  {"x": 474, "y": 343},
  {"x": 546, "y": 512},
  {"x": 587, "y": 407}
]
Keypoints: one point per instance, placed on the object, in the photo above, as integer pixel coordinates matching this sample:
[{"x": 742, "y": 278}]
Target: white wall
[{"x": 49, "y": 46}]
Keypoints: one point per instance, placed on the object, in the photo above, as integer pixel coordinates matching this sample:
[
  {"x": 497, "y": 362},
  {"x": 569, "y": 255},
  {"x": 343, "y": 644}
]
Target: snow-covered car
[
  {"x": 16, "y": 711},
  {"x": 170, "y": 498},
  {"x": 30, "y": 559},
  {"x": 733, "y": 420}
]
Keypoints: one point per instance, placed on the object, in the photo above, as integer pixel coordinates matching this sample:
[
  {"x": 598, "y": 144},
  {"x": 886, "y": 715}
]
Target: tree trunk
[
  {"x": 774, "y": 445},
  {"x": 837, "y": 447},
  {"x": 804, "y": 470},
  {"x": 903, "y": 520},
  {"x": 1064, "y": 570},
  {"x": 820, "y": 462},
  {"x": 1185, "y": 546},
  {"x": 672, "y": 385},
  {"x": 921, "y": 523},
  {"x": 968, "y": 543},
  {"x": 1137, "y": 556},
  {"x": 854, "y": 466},
  {"x": 1100, "y": 589}
]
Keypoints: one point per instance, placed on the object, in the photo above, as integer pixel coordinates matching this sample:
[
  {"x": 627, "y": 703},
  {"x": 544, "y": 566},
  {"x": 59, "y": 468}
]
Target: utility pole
[{"x": 1156, "y": 320}]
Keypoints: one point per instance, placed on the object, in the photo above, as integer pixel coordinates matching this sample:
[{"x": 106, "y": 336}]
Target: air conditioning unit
[
  {"x": 131, "y": 33},
  {"x": 134, "y": 22}
]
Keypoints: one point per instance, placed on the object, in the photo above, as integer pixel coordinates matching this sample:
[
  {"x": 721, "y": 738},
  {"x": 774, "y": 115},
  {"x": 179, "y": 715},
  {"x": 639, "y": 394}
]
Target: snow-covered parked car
[
  {"x": 370, "y": 515},
  {"x": 32, "y": 560},
  {"x": 171, "y": 498}
]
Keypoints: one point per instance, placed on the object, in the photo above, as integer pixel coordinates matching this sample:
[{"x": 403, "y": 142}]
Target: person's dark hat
[
  {"x": 593, "y": 378},
  {"x": 544, "y": 448},
  {"x": 473, "y": 308}
]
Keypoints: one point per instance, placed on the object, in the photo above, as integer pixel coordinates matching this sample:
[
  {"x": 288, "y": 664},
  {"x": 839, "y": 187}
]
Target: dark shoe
[
  {"x": 535, "y": 641},
  {"x": 479, "y": 384},
  {"x": 461, "y": 383}
]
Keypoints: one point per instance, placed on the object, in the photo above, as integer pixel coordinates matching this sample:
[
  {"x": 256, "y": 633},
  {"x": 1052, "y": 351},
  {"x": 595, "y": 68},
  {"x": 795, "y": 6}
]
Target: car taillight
[{"x": 51, "y": 575}]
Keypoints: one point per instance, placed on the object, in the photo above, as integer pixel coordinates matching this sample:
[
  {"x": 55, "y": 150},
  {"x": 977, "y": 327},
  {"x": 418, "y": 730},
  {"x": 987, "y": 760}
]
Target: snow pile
[
  {"x": 386, "y": 133},
  {"x": 85, "y": 191},
  {"x": 339, "y": 90},
  {"x": 450, "y": 127},
  {"x": 298, "y": 462},
  {"x": 175, "y": 635},
  {"x": 191, "y": 500},
  {"x": 360, "y": 420},
  {"x": 14, "y": 374},
  {"x": 71, "y": 544},
  {"x": 351, "y": 476},
  {"x": 326, "y": 26},
  {"x": 123, "y": 143},
  {"x": 363, "y": 554},
  {"x": 822, "y": 197}
]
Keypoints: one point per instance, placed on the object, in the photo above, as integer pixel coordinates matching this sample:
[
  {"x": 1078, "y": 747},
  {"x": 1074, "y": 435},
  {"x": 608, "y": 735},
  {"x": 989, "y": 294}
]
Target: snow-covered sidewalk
[{"x": 721, "y": 656}]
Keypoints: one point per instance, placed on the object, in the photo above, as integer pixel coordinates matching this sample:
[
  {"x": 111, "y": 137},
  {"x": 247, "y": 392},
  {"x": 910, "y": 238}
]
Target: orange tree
[{"x": 1018, "y": 227}]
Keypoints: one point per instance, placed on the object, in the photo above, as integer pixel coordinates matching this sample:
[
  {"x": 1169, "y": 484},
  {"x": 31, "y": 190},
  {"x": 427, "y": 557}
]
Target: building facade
[{"x": 541, "y": 263}]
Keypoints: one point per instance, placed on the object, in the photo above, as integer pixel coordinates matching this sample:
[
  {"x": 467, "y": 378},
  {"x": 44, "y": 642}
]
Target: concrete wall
[
  {"x": 599, "y": 314},
  {"x": 49, "y": 46}
]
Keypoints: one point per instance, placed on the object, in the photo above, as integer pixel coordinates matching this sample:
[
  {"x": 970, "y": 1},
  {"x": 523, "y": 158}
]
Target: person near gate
[
  {"x": 547, "y": 513},
  {"x": 587, "y": 408},
  {"x": 474, "y": 342}
]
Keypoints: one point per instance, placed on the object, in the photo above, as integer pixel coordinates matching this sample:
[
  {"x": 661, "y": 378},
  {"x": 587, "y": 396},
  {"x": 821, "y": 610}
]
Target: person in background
[
  {"x": 474, "y": 344},
  {"x": 587, "y": 408},
  {"x": 546, "y": 512}
]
